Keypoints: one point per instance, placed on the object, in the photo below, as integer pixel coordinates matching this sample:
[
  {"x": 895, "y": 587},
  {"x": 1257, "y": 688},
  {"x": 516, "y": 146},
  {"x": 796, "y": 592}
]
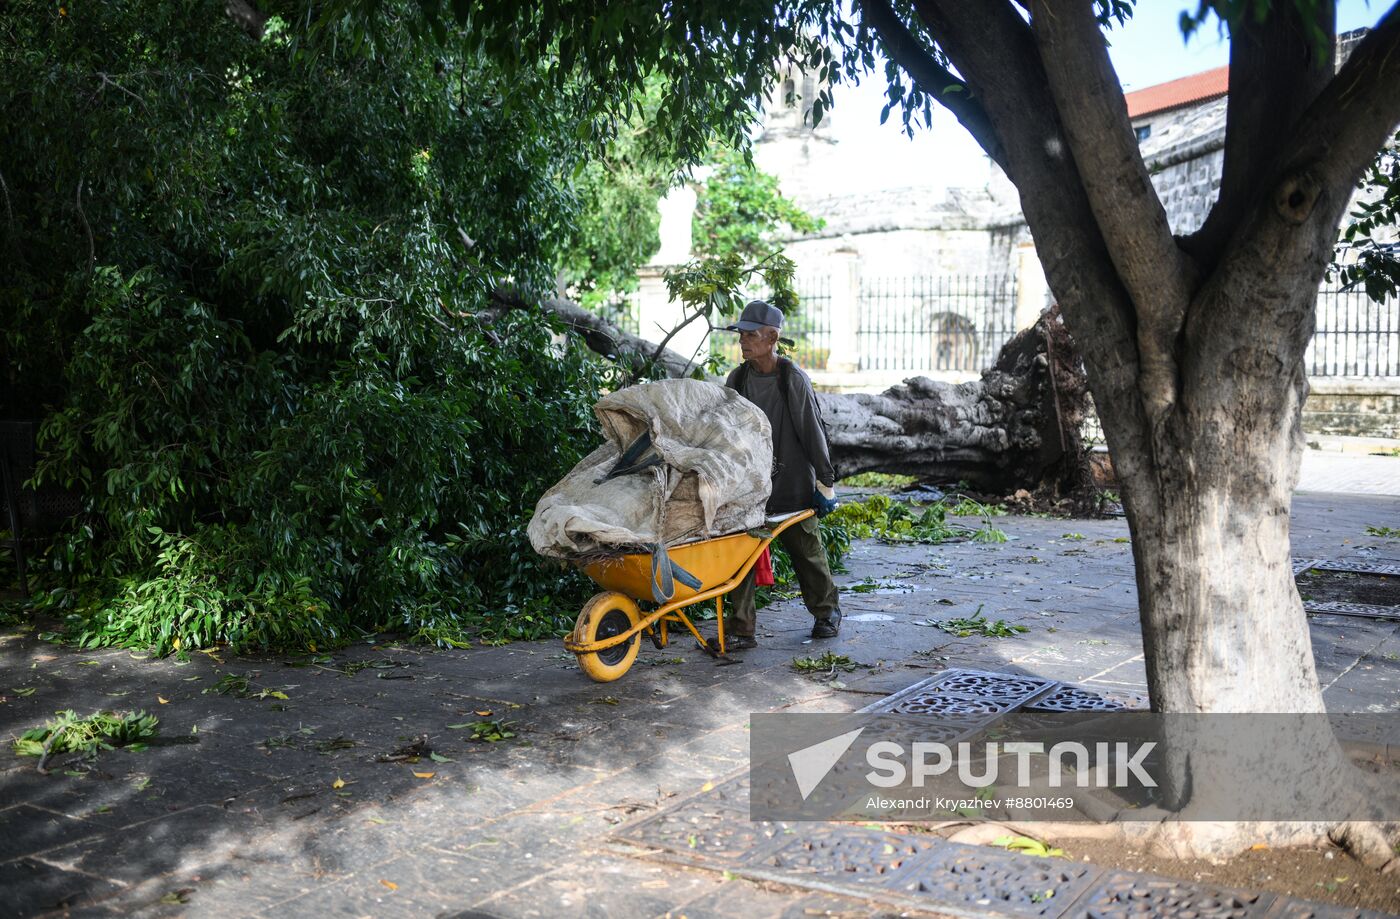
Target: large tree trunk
[
  {"x": 1195, "y": 345},
  {"x": 1223, "y": 625},
  {"x": 1019, "y": 426}
]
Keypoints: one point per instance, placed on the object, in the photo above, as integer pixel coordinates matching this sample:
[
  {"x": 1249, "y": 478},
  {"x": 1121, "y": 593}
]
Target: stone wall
[
  {"x": 1356, "y": 407},
  {"x": 1185, "y": 155},
  {"x": 909, "y": 252}
]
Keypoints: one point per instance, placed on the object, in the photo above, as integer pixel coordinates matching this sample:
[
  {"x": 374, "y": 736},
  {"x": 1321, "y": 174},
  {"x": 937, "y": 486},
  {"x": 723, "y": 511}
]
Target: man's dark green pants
[{"x": 804, "y": 547}]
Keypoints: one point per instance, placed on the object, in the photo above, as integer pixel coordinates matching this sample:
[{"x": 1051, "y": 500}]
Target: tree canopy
[
  {"x": 245, "y": 259},
  {"x": 741, "y": 211}
]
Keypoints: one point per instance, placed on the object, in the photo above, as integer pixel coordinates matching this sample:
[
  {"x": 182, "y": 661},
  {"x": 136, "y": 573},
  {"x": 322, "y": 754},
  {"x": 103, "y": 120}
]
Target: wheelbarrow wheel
[{"x": 606, "y": 615}]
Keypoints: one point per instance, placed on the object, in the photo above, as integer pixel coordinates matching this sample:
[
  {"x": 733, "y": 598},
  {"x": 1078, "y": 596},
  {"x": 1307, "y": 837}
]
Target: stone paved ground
[
  {"x": 1350, "y": 473},
  {"x": 241, "y": 811}
]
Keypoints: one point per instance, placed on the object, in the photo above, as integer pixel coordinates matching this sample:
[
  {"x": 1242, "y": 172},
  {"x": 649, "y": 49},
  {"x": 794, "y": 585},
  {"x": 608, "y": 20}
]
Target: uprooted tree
[
  {"x": 1193, "y": 345},
  {"x": 1020, "y": 426}
]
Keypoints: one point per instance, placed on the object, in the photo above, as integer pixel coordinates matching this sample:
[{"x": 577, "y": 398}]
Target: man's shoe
[
  {"x": 829, "y": 627},
  {"x": 734, "y": 643}
]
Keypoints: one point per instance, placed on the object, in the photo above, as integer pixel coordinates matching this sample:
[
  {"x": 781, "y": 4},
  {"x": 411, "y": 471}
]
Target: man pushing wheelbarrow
[
  {"x": 678, "y": 504},
  {"x": 802, "y": 473}
]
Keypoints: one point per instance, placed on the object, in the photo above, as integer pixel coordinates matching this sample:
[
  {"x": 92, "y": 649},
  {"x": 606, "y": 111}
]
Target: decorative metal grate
[
  {"x": 964, "y": 692},
  {"x": 1285, "y": 908},
  {"x": 1360, "y": 610},
  {"x": 712, "y": 827},
  {"x": 859, "y": 856},
  {"x": 1357, "y": 567},
  {"x": 1130, "y": 895},
  {"x": 1078, "y": 699},
  {"x": 996, "y": 883},
  {"x": 936, "y": 703}
]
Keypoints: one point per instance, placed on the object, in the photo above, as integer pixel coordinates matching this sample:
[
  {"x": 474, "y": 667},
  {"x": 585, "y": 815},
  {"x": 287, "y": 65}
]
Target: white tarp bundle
[{"x": 712, "y": 456}]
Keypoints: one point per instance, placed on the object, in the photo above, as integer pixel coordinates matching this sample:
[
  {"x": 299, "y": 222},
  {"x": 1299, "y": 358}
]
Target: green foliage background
[
  {"x": 617, "y": 226},
  {"x": 1363, "y": 260},
  {"x": 241, "y": 285},
  {"x": 740, "y": 211}
]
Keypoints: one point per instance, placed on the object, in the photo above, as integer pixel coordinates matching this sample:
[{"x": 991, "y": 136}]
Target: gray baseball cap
[{"x": 756, "y": 315}]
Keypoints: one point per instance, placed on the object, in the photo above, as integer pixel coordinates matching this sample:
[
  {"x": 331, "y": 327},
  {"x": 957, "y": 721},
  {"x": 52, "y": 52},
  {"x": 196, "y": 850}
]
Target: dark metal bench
[{"x": 30, "y": 514}]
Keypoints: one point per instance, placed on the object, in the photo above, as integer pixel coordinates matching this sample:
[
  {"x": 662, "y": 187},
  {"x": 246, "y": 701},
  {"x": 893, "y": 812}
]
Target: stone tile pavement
[
  {"x": 255, "y": 806},
  {"x": 1349, "y": 473}
]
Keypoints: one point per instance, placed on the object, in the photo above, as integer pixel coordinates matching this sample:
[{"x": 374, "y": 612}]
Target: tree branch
[
  {"x": 598, "y": 334},
  {"x": 1355, "y": 113},
  {"x": 1267, "y": 278},
  {"x": 1125, "y": 206},
  {"x": 9, "y": 213},
  {"x": 87, "y": 227},
  {"x": 661, "y": 348},
  {"x": 108, "y": 81},
  {"x": 1275, "y": 74},
  {"x": 1303, "y": 193},
  {"x": 991, "y": 46},
  {"x": 905, "y": 49}
]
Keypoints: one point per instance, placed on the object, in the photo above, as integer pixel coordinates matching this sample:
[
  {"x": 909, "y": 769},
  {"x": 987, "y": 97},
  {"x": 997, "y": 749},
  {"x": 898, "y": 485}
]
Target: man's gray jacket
[{"x": 801, "y": 457}]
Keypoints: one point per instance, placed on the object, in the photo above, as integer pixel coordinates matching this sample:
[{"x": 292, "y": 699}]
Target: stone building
[
  {"x": 1180, "y": 127},
  {"x": 903, "y": 277}
]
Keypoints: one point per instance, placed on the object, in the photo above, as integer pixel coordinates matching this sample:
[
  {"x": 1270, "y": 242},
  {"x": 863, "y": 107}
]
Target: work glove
[{"x": 824, "y": 499}]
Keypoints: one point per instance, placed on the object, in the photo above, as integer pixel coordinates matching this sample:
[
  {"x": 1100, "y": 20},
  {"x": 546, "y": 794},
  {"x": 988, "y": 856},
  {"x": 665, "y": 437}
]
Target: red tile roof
[{"x": 1199, "y": 87}]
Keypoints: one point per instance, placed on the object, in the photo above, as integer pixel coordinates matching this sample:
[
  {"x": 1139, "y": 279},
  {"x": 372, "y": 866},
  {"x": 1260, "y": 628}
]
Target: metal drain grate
[
  {"x": 929, "y": 873},
  {"x": 979, "y": 695},
  {"x": 1361, "y": 610},
  {"x": 991, "y": 882},
  {"x": 1078, "y": 699},
  {"x": 1131, "y": 895},
  {"x": 1358, "y": 567},
  {"x": 710, "y": 828},
  {"x": 860, "y": 857},
  {"x": 964, "y": 692}
]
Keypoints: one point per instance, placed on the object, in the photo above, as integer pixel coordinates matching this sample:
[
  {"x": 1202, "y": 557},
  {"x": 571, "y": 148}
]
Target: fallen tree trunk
[
  {"x": 1016, "y": 427},
  {"x": 1019, "y": 426}
]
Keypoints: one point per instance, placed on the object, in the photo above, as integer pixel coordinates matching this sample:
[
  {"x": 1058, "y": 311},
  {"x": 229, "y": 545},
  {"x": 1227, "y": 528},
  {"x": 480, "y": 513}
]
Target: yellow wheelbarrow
[{"x": 608, "y": 632}]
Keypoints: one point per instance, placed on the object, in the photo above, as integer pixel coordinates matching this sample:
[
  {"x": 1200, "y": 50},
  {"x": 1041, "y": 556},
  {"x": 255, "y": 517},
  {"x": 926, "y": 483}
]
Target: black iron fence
[
  {"x": 944, "y": 322},
  {"x": 809, "y": 327},
  {"x": 960, "y": 323},
  {"x": 623, "y": 312},
  {"x": 928, "y": 323},
  {"x": 1355, "y": 336}
]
